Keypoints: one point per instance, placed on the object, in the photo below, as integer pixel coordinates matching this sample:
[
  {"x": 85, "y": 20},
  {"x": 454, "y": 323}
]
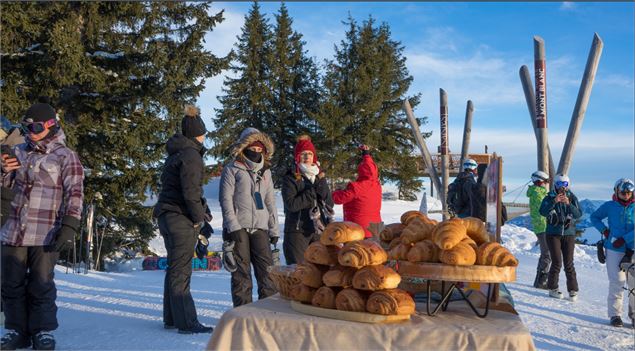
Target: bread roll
[
  {"x": 461, "y": 254},
  {"x": 341, "y": 232},
  {"x": 302, "y": 293},
  {"x": 319, "y": 253},
  {"x": 351, "y": 300},
  {"x": 399, "y": 252},
  {"x": 310, "y": 274},
  {"x": 475, "y": 229},
  {"x": 394, "y": 242},
  {"x": 417, "y": 230},
  {"x": 424, "y": 251},
  {"x": 390, "y": 302},
  {"x": 493, "y": 254},
  {"x": 362, "y": 253},
  {"x": 376, "y": 277},
  {"x": 391, "y": 231},
  {"x": 324, "y": 297},
  {"x": 339, "y": 276},
  {"x": 449, "y": 233}
]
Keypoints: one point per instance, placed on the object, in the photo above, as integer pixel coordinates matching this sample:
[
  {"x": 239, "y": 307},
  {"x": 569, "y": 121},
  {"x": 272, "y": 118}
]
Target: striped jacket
[{"x": 48, "y": 186}]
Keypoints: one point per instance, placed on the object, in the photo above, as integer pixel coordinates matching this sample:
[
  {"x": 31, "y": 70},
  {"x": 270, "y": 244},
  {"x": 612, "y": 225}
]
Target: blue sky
[{"x": 474, "y": 52}]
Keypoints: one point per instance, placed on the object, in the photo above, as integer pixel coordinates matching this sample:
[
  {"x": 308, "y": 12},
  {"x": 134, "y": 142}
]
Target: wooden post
[
  {"x": 541, "y": 102},
  {"x": 581, "y": 104},
  {"x": 443, "y": 150},
  {"x": 467, "y": 132},
  {"x": 525, "y": 79},
  {"x": 427, "y": 159}
]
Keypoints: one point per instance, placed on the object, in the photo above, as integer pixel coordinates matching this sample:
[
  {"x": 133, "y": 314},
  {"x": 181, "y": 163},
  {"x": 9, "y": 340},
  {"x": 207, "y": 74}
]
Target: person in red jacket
[{"x": 362, "y": 198}]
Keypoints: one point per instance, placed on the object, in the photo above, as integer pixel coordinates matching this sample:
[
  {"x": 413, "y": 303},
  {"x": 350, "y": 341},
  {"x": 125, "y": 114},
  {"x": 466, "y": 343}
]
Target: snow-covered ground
[{"x": 122, "y": 311}]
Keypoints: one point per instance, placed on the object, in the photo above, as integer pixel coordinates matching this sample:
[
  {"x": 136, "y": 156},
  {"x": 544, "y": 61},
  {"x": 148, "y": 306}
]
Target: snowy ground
[{"x": 122, "y": 311}]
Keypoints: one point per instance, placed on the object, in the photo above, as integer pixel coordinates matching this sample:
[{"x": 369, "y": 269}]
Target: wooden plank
[
  {"x": 445, "y": 272},
  {"x": 363, "y": 317}
]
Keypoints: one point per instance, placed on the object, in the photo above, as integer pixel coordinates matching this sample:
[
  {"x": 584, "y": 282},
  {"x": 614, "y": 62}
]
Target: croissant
[
  {"x": 319, "y": 253},
  {"x": 339, "y": 276},
  {"x": 476, "y": 230},
  {"x": 324, "y": 297},
  {"x": 310, "y": 274},
  {"x": 350, "y": 300},
  {"x": 390, "y": 302},
  {"x": 302, "y": 293},
  {"x": 449, "y": 233},
  {"x": 391, "y": 231},
  {"x": 341, "y": 232},
  {"x": 376, "y": 277},
  {"x": 493, "y": 254},
  {"x": 470, "y": 242},
  {"x": 394, "y": 242},
  {"x": 417, "y": 230},
  {"x": 399, "y": 252},
  {"x": 424, "y": 251},
  {"x": 461, "y": 254},
  {"x": 410, "y": 215},
  {"x": 362, "y": 253}
]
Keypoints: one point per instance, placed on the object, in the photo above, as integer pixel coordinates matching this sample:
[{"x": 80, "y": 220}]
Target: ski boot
[
  {"x": 616, "y": 321},
  {"x": 573, "y": 296},
  {"x": 555, "y": 294},
  {"x": 13, "y": 340},
  {"x": 43, "y": 340}
]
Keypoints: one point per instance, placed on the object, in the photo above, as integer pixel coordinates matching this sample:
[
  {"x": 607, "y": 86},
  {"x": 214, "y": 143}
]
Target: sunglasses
[{"x": 37, "y": 127}]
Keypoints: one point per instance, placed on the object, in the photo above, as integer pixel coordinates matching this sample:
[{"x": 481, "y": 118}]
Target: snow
[{"x": 123, "y": 311}]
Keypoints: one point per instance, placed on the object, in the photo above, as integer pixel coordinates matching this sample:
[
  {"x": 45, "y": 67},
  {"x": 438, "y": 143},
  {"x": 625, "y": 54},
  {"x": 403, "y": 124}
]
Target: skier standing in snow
[
  {"x": 561, "y": 209},
  {"x": 307, "y": 201},
  {"x": 47, "y": 179},
  {"x": 250, "y": 217},
  {"x": 618, "y": 241},
  {"x": 462, "y": 192},
  {"x": 181, "y": 213},
  {"x": 362, "y": 198},
  {"x": 536, "y": 193}
]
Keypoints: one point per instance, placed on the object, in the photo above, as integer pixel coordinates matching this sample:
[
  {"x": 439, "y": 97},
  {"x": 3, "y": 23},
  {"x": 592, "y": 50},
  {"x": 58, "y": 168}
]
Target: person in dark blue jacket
[
  {"x": 618, "y": 241},
  {"x": 561, "y": 209}
]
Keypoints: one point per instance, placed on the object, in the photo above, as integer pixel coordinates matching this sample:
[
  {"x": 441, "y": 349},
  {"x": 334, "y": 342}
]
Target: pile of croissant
[
  {"x": 345, "y": 272},
  {"x": 460, "y": 242}
]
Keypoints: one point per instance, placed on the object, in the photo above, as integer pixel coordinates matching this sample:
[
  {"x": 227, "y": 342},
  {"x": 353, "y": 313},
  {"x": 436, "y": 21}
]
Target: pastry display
[{"x": 376, "y": 277}]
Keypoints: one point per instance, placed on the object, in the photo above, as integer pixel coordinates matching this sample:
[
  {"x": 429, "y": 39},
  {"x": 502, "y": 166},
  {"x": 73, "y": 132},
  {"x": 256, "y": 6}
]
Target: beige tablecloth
[{"x": 271, "y": 324}]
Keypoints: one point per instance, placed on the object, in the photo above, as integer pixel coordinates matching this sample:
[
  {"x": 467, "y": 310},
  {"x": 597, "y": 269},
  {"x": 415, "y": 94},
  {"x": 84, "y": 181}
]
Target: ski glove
[
  {"x": 273, "y": 239},
  {"x": 66, "y": 234},
  {"x": 619, "y": 243},
  {"x": 207, "y": 230},
  {"x": 606, "y": 232},
  {"x": 201, "y": 247}
]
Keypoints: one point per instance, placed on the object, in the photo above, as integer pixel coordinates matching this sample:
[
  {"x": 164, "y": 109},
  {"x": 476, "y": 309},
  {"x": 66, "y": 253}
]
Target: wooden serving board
[
  {"x": 441, "y": 271},
  {"x": 362, "y": 317}
]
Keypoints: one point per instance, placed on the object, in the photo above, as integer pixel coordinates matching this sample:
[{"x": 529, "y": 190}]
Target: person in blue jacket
[
  {"x": 618, "y": 241},
  {"x": 561, "y": 209}
]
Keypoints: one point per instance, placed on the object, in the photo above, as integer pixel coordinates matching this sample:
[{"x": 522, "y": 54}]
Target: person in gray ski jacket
[{"x": 250, "y": 217}]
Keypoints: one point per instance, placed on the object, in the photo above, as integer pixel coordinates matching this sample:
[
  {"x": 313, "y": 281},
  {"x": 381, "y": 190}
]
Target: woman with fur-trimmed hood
[{"x": 250, "y": 217}]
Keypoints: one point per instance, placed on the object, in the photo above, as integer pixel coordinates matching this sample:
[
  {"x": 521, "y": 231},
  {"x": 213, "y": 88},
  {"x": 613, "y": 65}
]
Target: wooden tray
[
  {"x": 363, "y": 317},
  {"x": 473, "y": 274}
]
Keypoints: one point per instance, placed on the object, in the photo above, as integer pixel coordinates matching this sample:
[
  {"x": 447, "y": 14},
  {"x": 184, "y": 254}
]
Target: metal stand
[{"x": 446, "y": 299}]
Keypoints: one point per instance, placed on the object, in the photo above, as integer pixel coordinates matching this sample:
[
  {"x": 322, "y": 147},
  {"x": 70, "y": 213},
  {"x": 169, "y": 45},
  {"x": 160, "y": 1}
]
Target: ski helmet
[
  {"x": 470, "y": 164},
  {"x": 624, "y": 184},
  {"x": 539, "y": 176},
  {"x": 561, "y": 181}
]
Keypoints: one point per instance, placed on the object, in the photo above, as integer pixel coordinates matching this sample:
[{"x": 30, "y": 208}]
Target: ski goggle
[
  {"x": 37, "y": 127},
  {"x": 626, "y": 187},
  {"x": 561, "y": 184}
]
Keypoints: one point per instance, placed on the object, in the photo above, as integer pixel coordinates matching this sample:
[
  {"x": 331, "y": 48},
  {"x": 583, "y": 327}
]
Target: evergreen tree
[
  {"x": 119, "y": 74},
  {"x": 365, "y": 85}
]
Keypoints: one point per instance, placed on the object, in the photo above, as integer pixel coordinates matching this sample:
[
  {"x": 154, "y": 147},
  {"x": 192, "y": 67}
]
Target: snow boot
[
  {"x": 573, "y": 296},
  {"x": 43, "y": 340},
  {"x": 555, "y": 293},
  {"x": 198, "y": 328},
  {"x": 13, "y": 340},
  {"x": 541, "y": 281},
  {"x": 616, "y": 321}
]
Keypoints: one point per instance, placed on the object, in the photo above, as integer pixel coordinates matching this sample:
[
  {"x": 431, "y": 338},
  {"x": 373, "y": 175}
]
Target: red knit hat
[{"x": 304, "y": 144}]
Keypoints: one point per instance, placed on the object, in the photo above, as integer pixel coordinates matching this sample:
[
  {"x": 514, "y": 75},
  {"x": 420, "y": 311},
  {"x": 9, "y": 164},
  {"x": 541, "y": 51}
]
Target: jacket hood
[
  {"x": 248, "y": 138},
  {"x": 622, "y": 202},
  {"x": 179, "y": 142},
  {"x": 367, "y": 169}
]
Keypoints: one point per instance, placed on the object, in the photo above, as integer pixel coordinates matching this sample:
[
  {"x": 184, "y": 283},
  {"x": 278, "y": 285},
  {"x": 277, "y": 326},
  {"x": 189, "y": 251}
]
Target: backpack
[{"x": 454, "y": 196}]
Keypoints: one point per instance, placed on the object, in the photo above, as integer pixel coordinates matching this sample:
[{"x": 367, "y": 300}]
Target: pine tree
[
  {"x": 365, "y": 85},
  {"x": 119, "y": 74}
]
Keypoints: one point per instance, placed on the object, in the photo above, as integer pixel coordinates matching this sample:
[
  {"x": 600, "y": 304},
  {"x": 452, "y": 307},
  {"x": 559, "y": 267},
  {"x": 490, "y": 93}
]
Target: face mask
[{"x": 252, "y": 155}]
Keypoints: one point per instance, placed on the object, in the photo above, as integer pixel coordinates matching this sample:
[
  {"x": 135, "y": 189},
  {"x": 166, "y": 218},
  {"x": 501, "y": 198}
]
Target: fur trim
[
  {"x": 303, "y": 137},
  {"x": 192, "y": 111},
  {"x": 241, "y": 144}
]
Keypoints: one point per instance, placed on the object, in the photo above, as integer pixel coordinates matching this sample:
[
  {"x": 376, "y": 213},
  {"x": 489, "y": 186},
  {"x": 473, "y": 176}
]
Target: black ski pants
[
  {"x": 28, "y": 288},
  {"x": 180, "y": 238},
  {"x": 561, "y": 248},
  {"x": 294, "y": 245},
  {"x": 251, "y": 249}
]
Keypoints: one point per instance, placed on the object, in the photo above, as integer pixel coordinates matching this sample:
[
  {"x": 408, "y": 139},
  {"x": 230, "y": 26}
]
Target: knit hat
[
  {"x": 304, "y": 144},
  {"x": 40, "y": 112},
  {"x": 192, "y": 125},
  {"x": 259, "y": 144}
]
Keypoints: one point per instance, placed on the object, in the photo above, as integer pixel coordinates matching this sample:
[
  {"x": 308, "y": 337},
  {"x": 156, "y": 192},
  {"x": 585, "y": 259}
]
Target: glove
[
  {"x": 606, "y": 232},
  {"x": 207, "y": 230},
  {"x": 274, "y": 239},
  {"x": 619, "y": 243},
  {"x": 201, "y": 247},
  {"x": 64, "y": 238}
]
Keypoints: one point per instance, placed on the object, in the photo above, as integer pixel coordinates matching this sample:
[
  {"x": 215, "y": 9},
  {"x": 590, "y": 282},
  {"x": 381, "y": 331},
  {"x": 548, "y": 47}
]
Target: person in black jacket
[
  {"x": 304, "y": 192},
  {"x": 181, "y": 213}
]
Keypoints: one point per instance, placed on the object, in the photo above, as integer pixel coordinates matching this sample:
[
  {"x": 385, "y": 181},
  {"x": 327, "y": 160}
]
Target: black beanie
[
  {"x": 192, "y": 125},
  {"x": 40, "y": 112}
]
